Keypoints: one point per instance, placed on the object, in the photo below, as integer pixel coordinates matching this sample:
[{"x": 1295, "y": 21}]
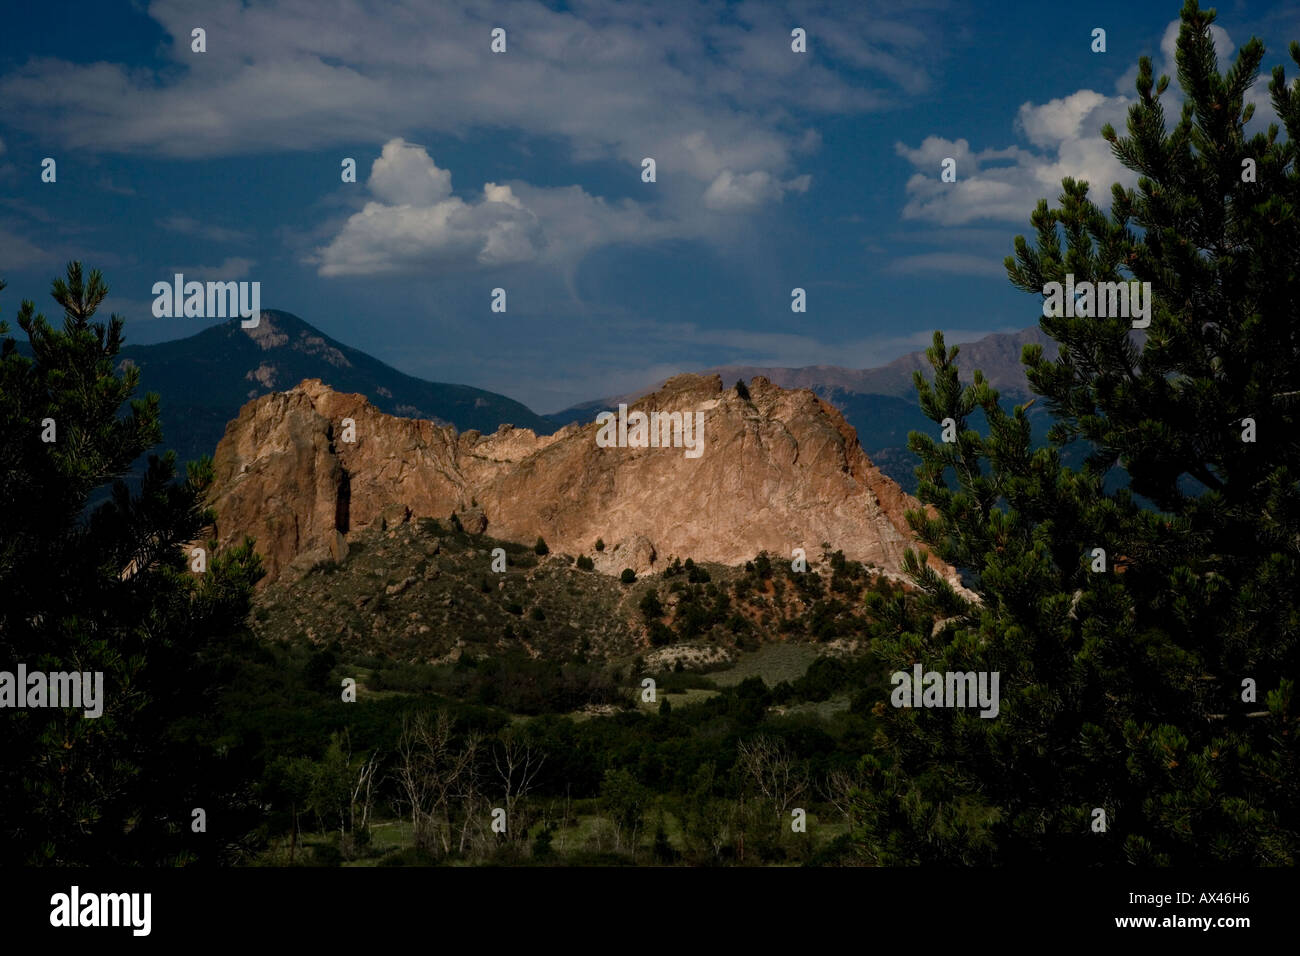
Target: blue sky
[{"x": 522, "y": 170}]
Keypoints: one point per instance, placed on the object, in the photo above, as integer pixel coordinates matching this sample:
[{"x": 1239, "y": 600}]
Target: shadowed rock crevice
[{"x": 343, "y": 504}]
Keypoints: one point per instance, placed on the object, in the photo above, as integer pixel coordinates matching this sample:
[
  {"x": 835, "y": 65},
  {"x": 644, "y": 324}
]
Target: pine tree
[
  {"x": 1122, "y": 674},
  {"x": 107, "y": 590}
]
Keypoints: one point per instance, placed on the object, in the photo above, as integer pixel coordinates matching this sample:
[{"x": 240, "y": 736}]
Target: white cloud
[
  {"x": 574, "y": 222},
  {"x": 416, "y": 225},
  {"x": 732, "y": 192},
  {"x": 1006, "y": 184},
  {"x": 403, "y": 175},
  {"x": 703, "y": 91},
  {"x": 1065, "y": 134}
]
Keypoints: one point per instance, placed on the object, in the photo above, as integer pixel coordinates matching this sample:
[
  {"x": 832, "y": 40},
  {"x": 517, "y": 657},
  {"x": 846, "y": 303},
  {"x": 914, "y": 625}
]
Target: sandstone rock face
[{"x": 779, "y": 470}]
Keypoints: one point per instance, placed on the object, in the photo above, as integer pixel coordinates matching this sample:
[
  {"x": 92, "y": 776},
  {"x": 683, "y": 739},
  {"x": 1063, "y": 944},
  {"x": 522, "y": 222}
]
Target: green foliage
[
  {"x": 319, "y": 668},
  {"x": 628, "y": 576},
  {"x": 540, "y": 547},
  {"x": 107, "y": 591},
  {"x": 600, "y": 544},
  {"x": 651, "y": 607},
  {"x": 1122, "y": 689},
  {"x": 661, "y": 634},
  {"x": 663, "y": 850},
  {"x": 542, "y": 849},
  {"x": 585, "y": 563},
  {"x": 626, "y": 801}
]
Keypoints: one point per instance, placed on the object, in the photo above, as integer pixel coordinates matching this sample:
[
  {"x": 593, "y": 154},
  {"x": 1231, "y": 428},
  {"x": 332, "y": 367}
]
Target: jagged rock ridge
[{"x": 780, "y": 469}]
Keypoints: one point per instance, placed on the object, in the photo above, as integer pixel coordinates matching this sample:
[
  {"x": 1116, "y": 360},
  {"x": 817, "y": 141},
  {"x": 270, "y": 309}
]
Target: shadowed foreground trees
[
  {"x": 106, "y": 591},
  {"x": 1154, "y": 683}
]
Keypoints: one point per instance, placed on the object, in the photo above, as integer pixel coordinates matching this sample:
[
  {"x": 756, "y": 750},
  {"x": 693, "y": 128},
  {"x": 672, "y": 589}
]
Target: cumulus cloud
[
  {"x": 1065, "y": 136},
  {"x": 1006, "y": 184},
  {"x": 732, "y": 192},
  {"x": 416, "y": 225},
  {"x": 403, "y": 175}
]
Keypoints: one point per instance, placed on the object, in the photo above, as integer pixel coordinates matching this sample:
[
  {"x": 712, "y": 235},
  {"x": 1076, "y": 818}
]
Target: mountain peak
[{"x": 205, "y": 378}]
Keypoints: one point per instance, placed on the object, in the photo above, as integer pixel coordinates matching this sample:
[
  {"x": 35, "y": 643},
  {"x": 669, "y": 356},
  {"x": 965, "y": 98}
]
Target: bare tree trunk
[
  {"x": 773, "y": 774},
  {"x": 517, "y": 766},
  {"x": 363, "y": 793},
  {"x": 837, "y": 790}
]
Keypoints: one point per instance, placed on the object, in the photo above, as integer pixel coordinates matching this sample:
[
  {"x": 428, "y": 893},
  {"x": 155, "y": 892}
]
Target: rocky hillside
[
  {"x": 780, "y": 470},
  {"x": 422, "y": 592}
]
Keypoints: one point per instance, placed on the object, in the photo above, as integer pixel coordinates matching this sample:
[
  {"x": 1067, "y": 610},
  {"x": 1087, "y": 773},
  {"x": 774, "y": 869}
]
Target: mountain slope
[
  {"x": 205, "y": 379},
  {"x": 420, "y": 592}
]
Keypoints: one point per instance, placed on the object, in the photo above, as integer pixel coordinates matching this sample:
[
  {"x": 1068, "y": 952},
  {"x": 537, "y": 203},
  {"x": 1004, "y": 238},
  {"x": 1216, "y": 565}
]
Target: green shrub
[
  {"x": 542, "y": 849},
  {"x": 651, "y": 606},
  {"x": 326, "y": 854},
  {"x": 660, "y": 634}
]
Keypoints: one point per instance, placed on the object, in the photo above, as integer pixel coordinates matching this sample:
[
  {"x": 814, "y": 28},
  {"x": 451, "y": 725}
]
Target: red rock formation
[{"x": 780, "y": 470}]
